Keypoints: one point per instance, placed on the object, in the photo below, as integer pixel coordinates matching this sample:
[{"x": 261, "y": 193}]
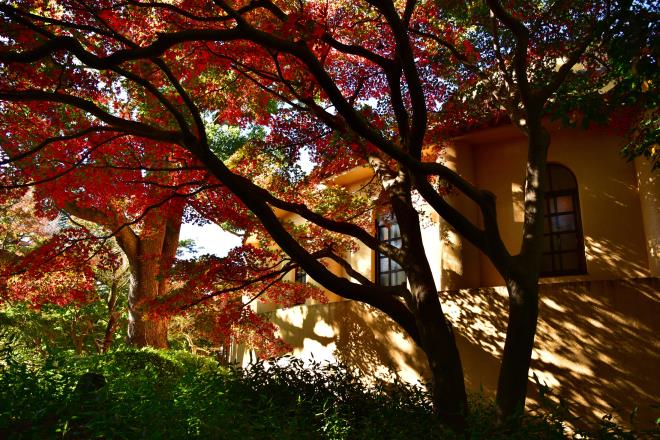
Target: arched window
[
  {"x": 563, "y": 243},
  {"x": 388, "y": 271}
]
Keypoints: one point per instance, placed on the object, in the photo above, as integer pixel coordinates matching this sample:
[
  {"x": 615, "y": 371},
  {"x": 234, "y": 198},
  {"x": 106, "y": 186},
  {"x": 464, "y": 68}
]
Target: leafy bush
[
  {"x": 154, "y": 394},
  {"x": 78, "y": 328}
]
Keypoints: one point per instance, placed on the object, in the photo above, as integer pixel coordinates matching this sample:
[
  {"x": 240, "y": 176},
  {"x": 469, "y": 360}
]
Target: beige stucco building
[{"x": 597, "y": 343}]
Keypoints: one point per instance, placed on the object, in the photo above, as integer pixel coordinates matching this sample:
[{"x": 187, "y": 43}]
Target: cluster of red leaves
[
  {"x": 60, "y": 271},
  {"x": 247, "y": 272},
  {"x": 233, "y": 322},
  {"x": 217, "y": 293}
]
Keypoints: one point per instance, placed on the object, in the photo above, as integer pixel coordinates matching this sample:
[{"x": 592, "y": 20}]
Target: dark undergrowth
[{"x": 148, "y": 394}]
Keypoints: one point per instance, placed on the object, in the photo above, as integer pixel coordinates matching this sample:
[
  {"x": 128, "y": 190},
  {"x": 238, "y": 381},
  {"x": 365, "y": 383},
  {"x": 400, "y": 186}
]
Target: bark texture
[
  {"x": 150, "y": 251},
  {"x": 150, "y": 261}
]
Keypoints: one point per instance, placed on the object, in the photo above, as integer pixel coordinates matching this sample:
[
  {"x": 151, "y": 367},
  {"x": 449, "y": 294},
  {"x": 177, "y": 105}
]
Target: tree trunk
[
  {"x": 522, "y": 276},
  {"x": 438, "y": 342},
  {"x": 113, "y": 316},
  {"x": 143, "y": 332},
  {"x": 146, "y": 331},
  {"x": 150, "y": 257},
  {"x": 516, "y": 358},
  {"x": 436, "y": 337},
  {"x": 109, "y": 333}
]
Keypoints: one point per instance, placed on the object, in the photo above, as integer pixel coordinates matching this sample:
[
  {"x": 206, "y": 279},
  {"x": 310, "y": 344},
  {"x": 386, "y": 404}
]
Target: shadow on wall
[
  {"x": 354, "y": 334},
  {"x": 596, "y": 346},
  {"x": 597, "y": 342},
  {"x": 614, "y": 259}
]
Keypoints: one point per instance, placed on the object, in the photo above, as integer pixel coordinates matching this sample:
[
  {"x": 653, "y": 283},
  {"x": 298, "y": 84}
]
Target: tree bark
[
  {"x": 113, "y": 316},
  {"x": 155, "y": 251},
  {"x": 522, "y": 276},
  {"x": 516, "y": 358},
  {"x": 436, "y": 337},
  {"x": 150, "y": 257},
  {"x": 146, "y": 331},
  {"x": 438, "y": 342}
]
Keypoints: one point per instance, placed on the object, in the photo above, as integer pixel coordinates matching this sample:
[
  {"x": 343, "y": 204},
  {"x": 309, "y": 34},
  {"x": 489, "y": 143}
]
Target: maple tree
[
  {"x": 139, "y": 199},
  {"x": 376, "y": 83}
]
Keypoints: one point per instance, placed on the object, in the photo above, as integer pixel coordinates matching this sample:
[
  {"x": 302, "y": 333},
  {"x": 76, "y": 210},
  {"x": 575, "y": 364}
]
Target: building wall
[
  {"x": 648, "y": 184},
  {"x": 610, "y": 207},
  {"x": 596, "y": 345}
]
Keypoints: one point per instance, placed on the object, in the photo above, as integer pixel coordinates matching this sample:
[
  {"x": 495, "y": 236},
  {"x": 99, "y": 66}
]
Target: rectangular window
[{"x": 388, "y": 271}]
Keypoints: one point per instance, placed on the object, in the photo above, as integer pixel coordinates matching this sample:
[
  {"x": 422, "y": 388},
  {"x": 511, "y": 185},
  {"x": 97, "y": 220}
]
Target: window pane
[
  {"x": 565, "y": 242},
  {"x": 562, "y": 244},
  {"x": 564, "y": 203},
  {"x": 384, "y": 279},
  {"x": 383, "y": 233},
  {"x": 570, "y": 261},
  {"x": 389, "y": 272},
  {"x": 546, "y": 263},
  {"x": 565, "y": 222},
  {"x": 384, "y": 264},
  {"x": 546, "y": 243}
]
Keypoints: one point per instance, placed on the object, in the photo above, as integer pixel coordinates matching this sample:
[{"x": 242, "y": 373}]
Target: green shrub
[{"x": 152, "y": 394}]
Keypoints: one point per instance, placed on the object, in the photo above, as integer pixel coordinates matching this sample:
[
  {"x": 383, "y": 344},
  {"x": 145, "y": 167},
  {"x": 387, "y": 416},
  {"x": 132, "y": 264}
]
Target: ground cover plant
[{"x": 156, "y": 394}]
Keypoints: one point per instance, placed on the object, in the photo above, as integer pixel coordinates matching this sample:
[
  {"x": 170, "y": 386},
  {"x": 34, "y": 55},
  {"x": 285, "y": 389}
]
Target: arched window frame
[
  {"x": 562, "y": 202},
  {"x": 388, "y": 271}
]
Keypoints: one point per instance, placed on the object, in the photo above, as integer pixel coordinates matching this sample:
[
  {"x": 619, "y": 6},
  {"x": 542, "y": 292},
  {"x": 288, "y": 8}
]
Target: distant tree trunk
[
  {"x": 73, "y": 334},
  {"x": 150, "y": 257},
  {"x": 113, "y": 317},
  {"x": 109, "y": 333}
]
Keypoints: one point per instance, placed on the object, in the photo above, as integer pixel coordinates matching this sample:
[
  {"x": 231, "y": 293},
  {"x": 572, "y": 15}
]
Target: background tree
[
  {"x": 53, "y": 297},
  {"x": 138, "y": 196},
  {"x": 374, "y": 83}
]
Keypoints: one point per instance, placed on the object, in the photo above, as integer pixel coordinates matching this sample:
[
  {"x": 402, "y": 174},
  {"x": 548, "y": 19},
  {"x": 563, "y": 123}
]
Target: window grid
[
  {"x": 563, "y": 244},
  {"x": 388, "y": 271}
]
